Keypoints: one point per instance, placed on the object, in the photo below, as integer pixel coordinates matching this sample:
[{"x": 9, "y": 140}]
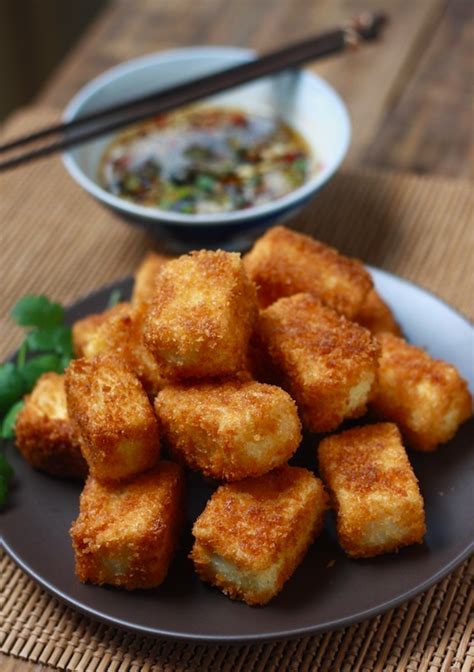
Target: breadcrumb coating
[
  {"x": 112, "y": 417},
  {"x": 112, "y": 334},
  {"x": 254, "y": 533},
  {"x": 376, "y": 316},
  {"x": 200, "y": 321},
  {"x": 121, "y": 333},
  {"x": 126, "y": 533},
  {"x": 373, "y": 489},
  {"x": 426, "y": 397},
  {"x": 284, "y": 262},
  {"x": 327, "y": 363},
  {"x": 229, "y": 430},
  {"x": 84, "y": 330},
  {"x": 43, "y": 431},
  {"x": 144, "y": 288}
]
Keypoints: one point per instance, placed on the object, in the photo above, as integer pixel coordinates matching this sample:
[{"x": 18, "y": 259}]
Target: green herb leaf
[
  {"x": 42, "y": 340},
  {"x": 65, "y": 361},
  {"x": 21, "y": 357},
  {"x": 37, "y": 311},
  {"x": 114, "y": 298},
  {"x": 5, "y": 469},
  {"x": 63, "y": 342},
  {"x": 12, "y": 386},
  {"x": 8, "y": 424},
  {"x": 36, "y": 366},
  {"x": 205, "y": 182},
  {"x": 56, "y": 339}
]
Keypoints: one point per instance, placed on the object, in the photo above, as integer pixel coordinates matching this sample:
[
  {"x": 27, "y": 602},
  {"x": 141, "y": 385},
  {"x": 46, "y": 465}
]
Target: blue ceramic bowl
[{"x": 303, "y": 100}]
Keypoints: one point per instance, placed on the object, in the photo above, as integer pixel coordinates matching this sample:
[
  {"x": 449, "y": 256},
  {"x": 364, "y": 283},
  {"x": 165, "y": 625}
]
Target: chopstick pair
[{"x": 366, "y": 26}]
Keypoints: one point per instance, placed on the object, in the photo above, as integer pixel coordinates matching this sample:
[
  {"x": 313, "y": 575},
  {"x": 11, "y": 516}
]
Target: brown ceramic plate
[{"x": 328, "y": 590}]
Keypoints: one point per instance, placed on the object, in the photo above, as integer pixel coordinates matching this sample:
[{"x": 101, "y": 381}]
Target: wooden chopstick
[{"x": 366, "y": 26}]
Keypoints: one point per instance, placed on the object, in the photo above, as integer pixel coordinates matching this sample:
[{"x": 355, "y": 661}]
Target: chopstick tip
[{"x": 369, "y": 24}]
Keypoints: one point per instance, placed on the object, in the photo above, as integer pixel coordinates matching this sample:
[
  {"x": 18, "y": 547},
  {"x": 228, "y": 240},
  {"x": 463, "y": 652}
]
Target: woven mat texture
[{"x": 56, "y": 240}]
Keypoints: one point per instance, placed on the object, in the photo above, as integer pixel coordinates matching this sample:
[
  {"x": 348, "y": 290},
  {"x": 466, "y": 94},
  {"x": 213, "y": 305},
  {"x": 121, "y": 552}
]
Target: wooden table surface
[{"x": 409, "y": 96}]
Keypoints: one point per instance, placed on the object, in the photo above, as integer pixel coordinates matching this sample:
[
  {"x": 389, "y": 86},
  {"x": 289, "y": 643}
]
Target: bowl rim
[{"x": 160, "y": 216}]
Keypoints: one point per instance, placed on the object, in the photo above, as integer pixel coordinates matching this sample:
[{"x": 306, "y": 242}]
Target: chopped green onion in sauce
[{"x": 206, "y": 160}]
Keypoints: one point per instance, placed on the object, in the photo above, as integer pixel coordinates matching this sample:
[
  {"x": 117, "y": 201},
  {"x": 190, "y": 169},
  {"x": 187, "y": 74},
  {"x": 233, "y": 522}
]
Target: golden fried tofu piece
[
  {"x": 112, "y": 417},
  {"x": 84, "y": 330},
  {"x": 229, "y": 429},
  {"x": 283, "y": 263},
  {"x": 144, "y": 287},
  {"x": 126, "y": 533},
  {"x": 374, "y": 490},
  {"x": 426, "y": 397},
  {"x": 376, "y": 316},
  {"x": 200, "y": 321},
  {"x": 141, "y": 358},
  {"x": 121, "y": 333},
  {"x": 253, "y": 534},
  {"x": 113, "y": 332},
  {"x": 43, "y": 431},
  {"x": 327, "y": 363}
]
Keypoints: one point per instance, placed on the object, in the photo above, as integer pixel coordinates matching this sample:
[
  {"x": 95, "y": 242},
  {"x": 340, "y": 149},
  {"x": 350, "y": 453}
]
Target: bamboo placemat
[{"x": 56, "y": 240}]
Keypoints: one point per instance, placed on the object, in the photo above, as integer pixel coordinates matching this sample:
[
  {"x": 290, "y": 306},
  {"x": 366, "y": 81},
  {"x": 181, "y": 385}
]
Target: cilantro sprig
[{"x": 47, "y": 347}]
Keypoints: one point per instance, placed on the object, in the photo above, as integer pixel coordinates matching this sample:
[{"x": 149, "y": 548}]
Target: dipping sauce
[{"x": 206, "y": 160}]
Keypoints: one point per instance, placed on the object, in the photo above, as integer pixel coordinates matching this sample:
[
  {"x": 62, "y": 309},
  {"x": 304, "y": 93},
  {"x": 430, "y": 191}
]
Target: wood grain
[
  {"x": 9, "y": 664},
  {"x": 410, "y": 99},
  {"x": 430, "y": 127},
  {"x": 366, "y": 79}
]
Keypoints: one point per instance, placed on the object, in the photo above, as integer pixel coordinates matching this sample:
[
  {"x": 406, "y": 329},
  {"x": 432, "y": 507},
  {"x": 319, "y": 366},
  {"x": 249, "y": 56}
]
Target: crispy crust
[
  {"x": 426, "y": 397},
  {"x": 283, "y": 263},
  {"x": 121, "y": 333},
  {"x": 44, "y": 433},
  {"x": 259, "y": 525},
  {"x": 201, "y": 318},
  {"x": 112, "y": 417},
  {"x": 376, "y": 316},
  {"x": 146, "y": 274},
  {"x": 374, "y": 490},
  {"x": 85, "y": 330},
  {"x": 325, "y": 362},
  {"x": 112, "y": 334},
  {"x": 229, "y": 429},
  {"x": 126, "y": 534}
]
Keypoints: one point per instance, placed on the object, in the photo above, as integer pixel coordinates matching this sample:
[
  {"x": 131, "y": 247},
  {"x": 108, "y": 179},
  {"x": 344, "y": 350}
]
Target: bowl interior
[{"x": 301, "y": 99}]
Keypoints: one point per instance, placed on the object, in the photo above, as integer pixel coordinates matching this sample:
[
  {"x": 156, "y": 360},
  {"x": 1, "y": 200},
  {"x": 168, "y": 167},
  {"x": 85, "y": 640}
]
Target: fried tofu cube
[
  {"x": 112, "y": 417},
  {"x": 231, "y": 429},
  {"x": 327, "y": 363},
  {"x": 121, "y": 333},
  {"x": 144, "y": 287},
  {"x": 284, "y": 262},
  {"x": 44, "y": 433},
  {"x": 141, "y": 358},
  {"x": 84, "y": 330},
  {"x": 126, "y": 533},
  {"x": 112, "y": 334},
  {"x": 375, "y": 493},
  {"x": 376, "y": 316},
  {"x": 200, "y": 321},
  {"x": 254, "y": 533},
  {"x": 426, "y": 397}
]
